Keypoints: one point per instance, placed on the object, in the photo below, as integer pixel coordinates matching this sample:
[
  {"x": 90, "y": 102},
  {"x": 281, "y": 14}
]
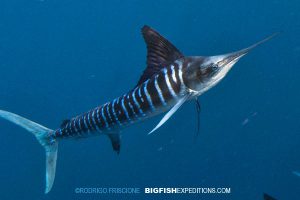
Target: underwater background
[{"x": 59, "y": 58}]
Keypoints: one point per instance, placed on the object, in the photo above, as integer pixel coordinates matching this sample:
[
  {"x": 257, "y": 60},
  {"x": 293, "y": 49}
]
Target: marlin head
[{"x": 202, "y": 73}]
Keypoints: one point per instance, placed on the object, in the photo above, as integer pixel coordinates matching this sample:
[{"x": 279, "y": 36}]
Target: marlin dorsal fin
[{"x": 160, "y": 53}]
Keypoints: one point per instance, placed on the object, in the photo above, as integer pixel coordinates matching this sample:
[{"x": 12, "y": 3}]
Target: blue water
[{"x": 59, "y": 58}]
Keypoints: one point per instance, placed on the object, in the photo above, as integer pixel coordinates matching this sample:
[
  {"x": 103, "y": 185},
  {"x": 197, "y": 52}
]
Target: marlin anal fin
[
  {"x": 170, "y": 113},
  {"x": 160, "y": 53},
  {"x": 115, "y": 139}
]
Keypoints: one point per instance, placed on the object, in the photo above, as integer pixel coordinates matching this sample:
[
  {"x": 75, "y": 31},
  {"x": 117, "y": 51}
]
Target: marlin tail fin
[{"x": 42, "y": 135}]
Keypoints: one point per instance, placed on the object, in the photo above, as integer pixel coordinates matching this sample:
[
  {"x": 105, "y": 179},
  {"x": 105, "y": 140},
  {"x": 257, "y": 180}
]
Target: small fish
[
  {"x": 160, "y": 149},
  {"x": 296, "y": 173},
  {"x": 246, "y": 121},
  {"x": 169, "y": 80}
]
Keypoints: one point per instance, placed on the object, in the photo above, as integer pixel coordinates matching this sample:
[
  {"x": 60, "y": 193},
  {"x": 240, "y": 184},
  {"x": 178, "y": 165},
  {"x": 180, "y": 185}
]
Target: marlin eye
[{"x": 214, "y": 67}]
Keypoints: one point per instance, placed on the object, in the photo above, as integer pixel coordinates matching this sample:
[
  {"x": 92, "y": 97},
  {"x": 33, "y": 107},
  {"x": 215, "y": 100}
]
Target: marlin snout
[{"x": 235, "y": 56}]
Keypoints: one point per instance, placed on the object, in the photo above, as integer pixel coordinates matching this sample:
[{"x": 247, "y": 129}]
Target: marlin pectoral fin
[
  {"x": 198, "y": 109},
  {"x": 170, "y": 113},
  {"x": 115, "y": 139}
]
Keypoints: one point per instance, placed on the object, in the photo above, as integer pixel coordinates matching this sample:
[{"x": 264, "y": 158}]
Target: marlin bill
[{"x": 169, "y": 80}]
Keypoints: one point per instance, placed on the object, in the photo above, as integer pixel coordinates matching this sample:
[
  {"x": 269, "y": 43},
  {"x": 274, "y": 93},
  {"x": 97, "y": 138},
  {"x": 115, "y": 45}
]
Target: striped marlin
[{"x": 169, "y": 80}]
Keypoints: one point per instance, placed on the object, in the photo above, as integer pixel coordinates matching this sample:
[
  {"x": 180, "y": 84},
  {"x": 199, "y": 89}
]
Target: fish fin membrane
[
  {"x": 160, "y": 53},
  {"x": 42, "y": 135},
  {"x": 115, "y": 139},
  {"x": 170, "y": 113}
]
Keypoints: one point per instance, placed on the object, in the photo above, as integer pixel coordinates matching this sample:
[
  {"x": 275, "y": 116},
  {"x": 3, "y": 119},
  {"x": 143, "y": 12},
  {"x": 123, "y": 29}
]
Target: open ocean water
[{"x": 59, "y": 58}]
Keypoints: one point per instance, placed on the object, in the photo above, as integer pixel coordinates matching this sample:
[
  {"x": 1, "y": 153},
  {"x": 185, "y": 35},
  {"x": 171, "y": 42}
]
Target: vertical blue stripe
[
  {"x": 75, "y": 129},
  {"x": 148, "y": 95},
  {"x": 79, "y": 124},
  {"x": 98, "y": 116},
  {"x": 94, "y": 121},
  {"x": 131, "y": 107},
  {"x": 169, "y": 84},
  {"x": 162, "y": 100},
  {"x": 89, "y": 120},
  {"x": 69, "y": 128},
  {"x": 114, "y": 112},
  {"x": 140, "y": 95},
  {"x": 124, "y": 109},
  {"x": 180, "y": 75},
  {"x": 103, "y": 115},
  {"x": 137, "y": 103},
  {"x": 85, "y": 124},
  {"x": 173, "y": 74},
  {"x": 108, "y": 113}
]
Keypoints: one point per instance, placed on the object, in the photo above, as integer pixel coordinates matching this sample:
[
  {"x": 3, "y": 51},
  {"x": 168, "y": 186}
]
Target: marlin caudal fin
[{"x": 42, "y": 135}]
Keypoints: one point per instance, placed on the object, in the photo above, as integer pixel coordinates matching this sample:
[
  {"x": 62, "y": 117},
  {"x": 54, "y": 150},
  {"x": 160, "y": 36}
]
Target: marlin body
[{"x": 169, "y": 80}]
